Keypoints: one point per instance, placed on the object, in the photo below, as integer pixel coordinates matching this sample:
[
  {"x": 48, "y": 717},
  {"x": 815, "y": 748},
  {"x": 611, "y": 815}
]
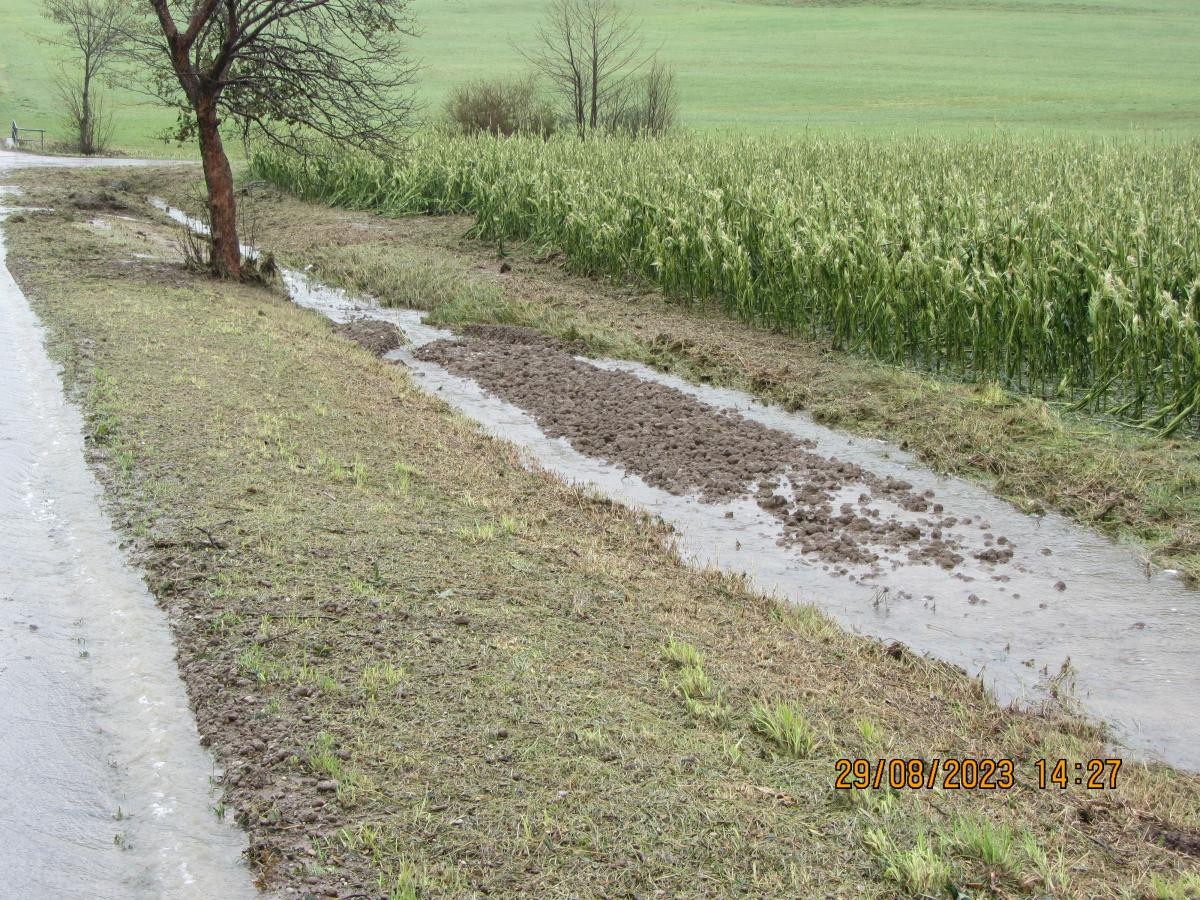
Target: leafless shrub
[
  {"x": 86, "y": 116},
  {"x": 501, "y": 107},
  {"x": 649, "y": 107},
  {"x": 196, "y": 249}
]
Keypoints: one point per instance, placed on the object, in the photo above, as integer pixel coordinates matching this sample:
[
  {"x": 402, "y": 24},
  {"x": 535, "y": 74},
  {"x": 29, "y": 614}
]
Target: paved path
[{"x": 104, "y": 789}]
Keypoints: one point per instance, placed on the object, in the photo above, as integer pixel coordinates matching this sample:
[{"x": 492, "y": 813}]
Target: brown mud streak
[
  {"x": 681, "y": 445},
  {"x": 372, "y": 335}
]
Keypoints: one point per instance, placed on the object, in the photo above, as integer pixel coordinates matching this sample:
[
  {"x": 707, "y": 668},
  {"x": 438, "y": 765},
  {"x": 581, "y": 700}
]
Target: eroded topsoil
[
  {"x": 675, "y": 442},
  {"x": 372, "y": 335}
]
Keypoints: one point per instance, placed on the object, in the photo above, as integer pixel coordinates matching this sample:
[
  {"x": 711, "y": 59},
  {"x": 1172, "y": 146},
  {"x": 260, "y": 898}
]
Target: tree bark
[
  {"x": 580, "y": 112},
  {"x": 595, "y": 120},
  {"x": 222, "y": 209},
  {"x": 86, "y": 145}
]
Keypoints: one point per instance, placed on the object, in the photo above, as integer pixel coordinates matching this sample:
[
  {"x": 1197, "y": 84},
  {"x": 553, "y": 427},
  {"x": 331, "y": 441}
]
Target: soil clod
[{"x": 373, "y": 335}]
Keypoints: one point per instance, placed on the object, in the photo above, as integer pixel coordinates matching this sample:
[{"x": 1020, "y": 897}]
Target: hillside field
[{"x": 1090, "y": 67}]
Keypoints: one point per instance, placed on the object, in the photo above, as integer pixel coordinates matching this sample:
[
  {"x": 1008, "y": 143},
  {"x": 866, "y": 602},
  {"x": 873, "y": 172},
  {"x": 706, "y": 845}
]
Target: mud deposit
[
  {"x": 833, "y": 510},
  {"x": 373, "y": 336}
]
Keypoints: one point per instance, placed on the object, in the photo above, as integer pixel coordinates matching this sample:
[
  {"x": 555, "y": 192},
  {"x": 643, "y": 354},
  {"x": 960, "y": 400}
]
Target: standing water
[
  {"x": 107, "y": 792},
  {"x": 1067, "y": 612}
]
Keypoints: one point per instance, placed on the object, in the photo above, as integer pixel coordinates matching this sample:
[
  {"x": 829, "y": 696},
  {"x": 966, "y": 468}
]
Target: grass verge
[{"x": 414, "y": 695}]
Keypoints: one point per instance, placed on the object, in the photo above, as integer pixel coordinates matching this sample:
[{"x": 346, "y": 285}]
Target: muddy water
[
  {"x": 1069, "y": 612},
  {"x": 1130, "y": 640},
  {"x": 106, "y": 792}
]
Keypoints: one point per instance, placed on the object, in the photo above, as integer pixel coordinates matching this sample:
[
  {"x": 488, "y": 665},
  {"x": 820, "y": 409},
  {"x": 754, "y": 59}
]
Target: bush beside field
[{"x": 1065, "y": 269}]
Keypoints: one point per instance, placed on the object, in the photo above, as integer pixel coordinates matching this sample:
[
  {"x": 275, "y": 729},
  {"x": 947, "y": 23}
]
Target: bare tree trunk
[
  {"x": 573, "y": 64},
  {"x": 87, "y": 144},
  {"x": 226, "y": 251},
  {"x": 580, "y": 114},
  {"x": 595, "y": 117}
]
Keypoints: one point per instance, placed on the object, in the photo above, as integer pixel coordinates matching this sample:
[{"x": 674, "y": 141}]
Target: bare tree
[
  {"x": 87, "y": 115},
  {"x": 588, "y": 50},
  {"x": 93, "y": 31},
  {"x": 288, "y": 71}
]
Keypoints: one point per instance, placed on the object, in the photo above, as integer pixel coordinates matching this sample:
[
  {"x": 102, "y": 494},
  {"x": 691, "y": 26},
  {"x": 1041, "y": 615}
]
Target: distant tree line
[{"x": 589, "y": 71}]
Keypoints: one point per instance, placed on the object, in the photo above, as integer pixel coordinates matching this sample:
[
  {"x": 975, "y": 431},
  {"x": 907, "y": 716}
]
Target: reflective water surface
[{"x": 107, "y": 792}]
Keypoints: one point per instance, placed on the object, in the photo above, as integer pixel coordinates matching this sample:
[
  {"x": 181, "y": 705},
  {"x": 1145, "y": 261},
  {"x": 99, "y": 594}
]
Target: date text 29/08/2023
[{"x": 973, "y": 774}]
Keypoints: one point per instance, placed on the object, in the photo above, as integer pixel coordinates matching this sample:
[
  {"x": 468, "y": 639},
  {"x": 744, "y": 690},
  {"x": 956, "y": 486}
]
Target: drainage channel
[{"x": 1035, "y": 605}]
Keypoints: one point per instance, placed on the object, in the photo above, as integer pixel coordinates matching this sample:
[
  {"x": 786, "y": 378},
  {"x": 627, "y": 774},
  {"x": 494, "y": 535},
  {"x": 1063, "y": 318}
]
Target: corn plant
[{"x": 1058, "y": 268}]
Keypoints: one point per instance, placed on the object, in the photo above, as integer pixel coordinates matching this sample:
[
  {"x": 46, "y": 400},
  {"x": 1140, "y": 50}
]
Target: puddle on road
[
  {"x": 107, "y": 791},
  {"x": 1067, "y": 593}
]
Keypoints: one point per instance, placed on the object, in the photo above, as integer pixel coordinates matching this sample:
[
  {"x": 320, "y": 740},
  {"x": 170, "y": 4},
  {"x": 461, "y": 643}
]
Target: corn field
[{"x": 1063, "y": 269}]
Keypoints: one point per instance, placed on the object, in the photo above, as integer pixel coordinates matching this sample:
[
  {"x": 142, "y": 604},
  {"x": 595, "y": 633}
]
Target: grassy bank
[{"x": 429, "y": 672}]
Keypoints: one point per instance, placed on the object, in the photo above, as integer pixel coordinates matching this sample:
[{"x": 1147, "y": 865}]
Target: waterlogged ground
[
  {"x": 427, "y": 669},
  {"x": 1039, "y": 608},
  {"x": 945, "y": 567},
  {"x": 107, "y": 792}
]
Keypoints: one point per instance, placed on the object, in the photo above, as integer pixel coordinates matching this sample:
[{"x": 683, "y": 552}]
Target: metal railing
[{"x": 19, "y": 141}]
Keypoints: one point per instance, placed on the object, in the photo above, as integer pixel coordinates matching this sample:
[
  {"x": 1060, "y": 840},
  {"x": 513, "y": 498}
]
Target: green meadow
[
  {"x": 1089, "y": 67},
  {"x": 29, "y": 68}
]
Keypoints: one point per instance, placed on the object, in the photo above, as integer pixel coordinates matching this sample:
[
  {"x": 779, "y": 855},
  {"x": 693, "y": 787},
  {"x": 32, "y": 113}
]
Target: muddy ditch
[
  {"x": 677, "y": 443},
  {"x": 1044, "y": 611}
]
